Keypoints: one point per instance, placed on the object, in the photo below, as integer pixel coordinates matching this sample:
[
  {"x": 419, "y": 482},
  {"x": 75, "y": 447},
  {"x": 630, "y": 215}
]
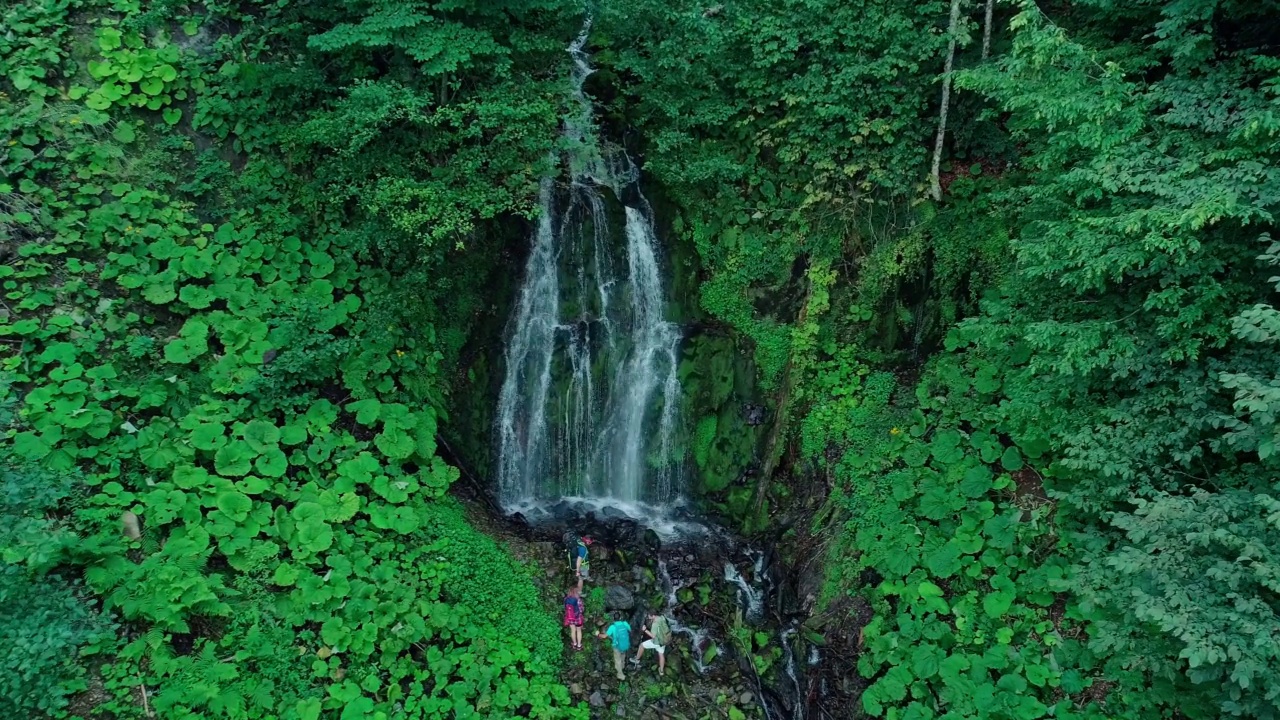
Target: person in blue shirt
[{"x": 619, "y": 634}]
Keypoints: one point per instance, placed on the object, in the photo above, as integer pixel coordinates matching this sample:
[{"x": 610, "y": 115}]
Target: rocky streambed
[{"x": 747, "y": 642}]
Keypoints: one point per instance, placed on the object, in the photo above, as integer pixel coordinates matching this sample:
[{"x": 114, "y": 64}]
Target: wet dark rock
[
  {"x": 753, "y": 415},
  {"x": 612, "y": 513},
  {"x": 618, "y": 597}
]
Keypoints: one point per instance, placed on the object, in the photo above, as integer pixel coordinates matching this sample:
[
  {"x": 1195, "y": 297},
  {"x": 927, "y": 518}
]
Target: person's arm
[{"x": 577, "y": 565}]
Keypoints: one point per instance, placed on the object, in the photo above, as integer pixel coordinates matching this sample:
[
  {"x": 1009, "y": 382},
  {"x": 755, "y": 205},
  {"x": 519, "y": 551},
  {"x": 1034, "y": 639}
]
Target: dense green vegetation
[
  {"x": 1074, "y": 513},
  {"x": 245, "y": 244},
  {"x": 225, "y": 240}
]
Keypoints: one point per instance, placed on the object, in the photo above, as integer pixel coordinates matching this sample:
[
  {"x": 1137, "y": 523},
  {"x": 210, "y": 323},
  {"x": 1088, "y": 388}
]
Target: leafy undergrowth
[
  {"x": 943, "y": 506},
  {"x": 240, "y": 406}
]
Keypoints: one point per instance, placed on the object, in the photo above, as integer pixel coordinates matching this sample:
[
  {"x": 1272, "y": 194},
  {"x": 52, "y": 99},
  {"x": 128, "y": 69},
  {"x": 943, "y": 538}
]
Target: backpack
[{"x": 571, "y": 541}]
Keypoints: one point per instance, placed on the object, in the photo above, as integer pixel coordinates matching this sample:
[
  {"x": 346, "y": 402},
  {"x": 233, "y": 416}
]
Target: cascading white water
[
  {"x": 750, "y": 596},
  {"x": 702, "y": 647},
  {"x": 589, "y": 405}
]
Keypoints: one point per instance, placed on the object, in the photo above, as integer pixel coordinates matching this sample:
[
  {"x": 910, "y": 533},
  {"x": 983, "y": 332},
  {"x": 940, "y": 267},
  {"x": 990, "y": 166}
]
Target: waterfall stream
[{"x": 589, "y": 404}]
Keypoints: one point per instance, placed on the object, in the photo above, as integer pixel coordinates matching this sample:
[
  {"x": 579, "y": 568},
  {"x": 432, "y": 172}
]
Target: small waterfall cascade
[
  {"x": 700, "y": 640},
  {"x": 789, "y": 668},
  {"x": 590, "y": 401},
  {"x": 750, "y": 596}
]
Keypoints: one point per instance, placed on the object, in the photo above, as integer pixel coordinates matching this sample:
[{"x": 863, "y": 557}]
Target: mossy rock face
[{"x": 719, "y": 380}]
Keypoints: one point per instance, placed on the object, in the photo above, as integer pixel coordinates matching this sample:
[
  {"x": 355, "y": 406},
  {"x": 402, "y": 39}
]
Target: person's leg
[
  {"x": 644, "y": 646},
  {"x": 662, "y": 660}
]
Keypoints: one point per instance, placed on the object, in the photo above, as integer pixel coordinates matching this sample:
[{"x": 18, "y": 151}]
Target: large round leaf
[
  {"x": 234, "y": 459},
  {"x": 208, "y": 436},
  {"x": 395, "y": 444},
  {"x": 261, "y": 435},
  {"x": 236, "y": 505},
  {"x": 272, "y": 462}
]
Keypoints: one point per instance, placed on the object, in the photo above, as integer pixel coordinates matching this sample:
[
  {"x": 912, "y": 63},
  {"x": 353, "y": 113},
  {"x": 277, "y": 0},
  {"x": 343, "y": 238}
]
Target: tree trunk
[
  {"x": 952, "y": 27},
  {"x": 986, "y": 30}
]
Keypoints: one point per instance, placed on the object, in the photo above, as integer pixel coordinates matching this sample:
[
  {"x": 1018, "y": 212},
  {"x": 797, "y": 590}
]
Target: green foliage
[
  {"x": 1062, "y": 466},
  {"x": 44, "y": 623},
  {"x": 242, "y": 369},
  {"x": 45, "y": 620}
]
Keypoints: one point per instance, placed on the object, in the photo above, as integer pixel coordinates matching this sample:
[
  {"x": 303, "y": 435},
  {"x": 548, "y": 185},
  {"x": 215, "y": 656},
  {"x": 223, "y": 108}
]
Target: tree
[{"x": 952, "y": 30}]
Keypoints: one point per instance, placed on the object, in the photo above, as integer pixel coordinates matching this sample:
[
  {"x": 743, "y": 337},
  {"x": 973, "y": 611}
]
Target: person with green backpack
[
  {"x": 659, "y": 632},
  {"x": 579, "y": 556},
  {"x": 619, "y": 634}
]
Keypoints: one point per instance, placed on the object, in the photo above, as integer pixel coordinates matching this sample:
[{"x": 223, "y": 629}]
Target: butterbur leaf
[
  {"x": 235, "y": 505},
  {"x": 108, "y": 39},
  {"x": 234, "y": 459},
  {"x": 1011, "y": 460},
  {"x": 308, "y": 709},
  {"x": 160, "y": 293},
  {"x": 171, "y": 115},
  {"x": 916, "y": 455},
  {"x": 286, "y": 575},
  {"x": 315, "y": 535},
  {"x": 945, "y": 562},
  {"x": 997, "y": 603},
  {"x": 293, "y": 434},
  {"x": 976, "y": 482},
  {"x": 366, "y": 411},
  {"x": 190, "y": 477},
  {"x": 272, "y": 463},
  {"x": 192, "y": 342},
  {"x": 208, "y": 436},
  {"x": 929, "y": 590},
  {"x": 925, "y": 660},
  {"x": 124, "y": 133},
  {"x": 395, "y": 444},
  {"x": 261, "y": 434},
  {"x": 31, "y": 446},
  {"x": 196, "y": 297}
]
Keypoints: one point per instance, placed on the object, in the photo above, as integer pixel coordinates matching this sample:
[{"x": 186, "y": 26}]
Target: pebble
[{"x": 746, "y": 698}]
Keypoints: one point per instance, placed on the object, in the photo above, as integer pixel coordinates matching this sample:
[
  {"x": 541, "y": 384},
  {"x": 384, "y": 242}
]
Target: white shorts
[{"x": 651, "y": 645}]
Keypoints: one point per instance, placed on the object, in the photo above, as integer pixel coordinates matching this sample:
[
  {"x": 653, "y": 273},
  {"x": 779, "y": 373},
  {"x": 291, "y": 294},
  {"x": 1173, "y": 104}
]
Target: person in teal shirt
[{"x": 619, "y": 634}]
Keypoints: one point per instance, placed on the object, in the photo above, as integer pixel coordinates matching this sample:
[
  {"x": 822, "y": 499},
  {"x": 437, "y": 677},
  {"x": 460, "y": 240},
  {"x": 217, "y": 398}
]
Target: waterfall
[
  {"x": 589, "y": 404},
  {"x": 750, "y": 596}
]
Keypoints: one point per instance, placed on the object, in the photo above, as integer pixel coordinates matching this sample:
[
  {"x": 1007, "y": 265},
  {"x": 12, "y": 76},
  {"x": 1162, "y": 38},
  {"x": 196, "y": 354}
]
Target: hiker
[
  {"x": 659, "y": 632},
  {"x": 580, "y": 559},
  {"x": 573, "y": 615},
  {"x": 619, "y": 633}
]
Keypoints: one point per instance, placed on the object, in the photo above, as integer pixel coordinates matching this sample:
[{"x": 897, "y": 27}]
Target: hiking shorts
[
  {"x": 585, "y": 571},
  {"x": 651, "y": 644}
]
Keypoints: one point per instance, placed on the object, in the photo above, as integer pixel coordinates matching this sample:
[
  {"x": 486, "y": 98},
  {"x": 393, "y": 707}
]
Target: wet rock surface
[
  {"x": 618, "y": 597},
  {"x": 709, "y": 669}
]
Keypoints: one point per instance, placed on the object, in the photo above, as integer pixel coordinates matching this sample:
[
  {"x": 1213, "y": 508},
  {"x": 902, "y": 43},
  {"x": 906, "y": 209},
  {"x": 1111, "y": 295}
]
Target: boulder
[
  {"x": 618, "y": 597},
  {"x": 596, "y": 699}
]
